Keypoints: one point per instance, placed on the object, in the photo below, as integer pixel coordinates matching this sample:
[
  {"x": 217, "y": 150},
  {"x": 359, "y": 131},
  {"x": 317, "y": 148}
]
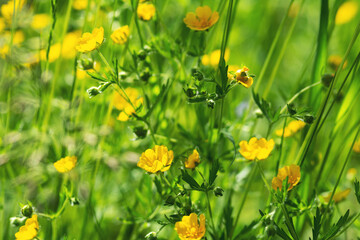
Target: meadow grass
[{"x": 132, "y": 120}]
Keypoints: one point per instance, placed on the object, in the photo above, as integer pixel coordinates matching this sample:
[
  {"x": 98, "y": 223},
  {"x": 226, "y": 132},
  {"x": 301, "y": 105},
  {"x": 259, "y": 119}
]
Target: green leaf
[
  {"x": 317, "y": 224},
  {"x": 190, "y": 180},
  {"x": 357, "y": 189},
  {"x": 213, "y": 172},
  {"x": 337, "y": 227}
]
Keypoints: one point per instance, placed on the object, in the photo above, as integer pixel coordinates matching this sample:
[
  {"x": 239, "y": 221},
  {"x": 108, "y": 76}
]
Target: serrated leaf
[{"x": 190, "y": 180}]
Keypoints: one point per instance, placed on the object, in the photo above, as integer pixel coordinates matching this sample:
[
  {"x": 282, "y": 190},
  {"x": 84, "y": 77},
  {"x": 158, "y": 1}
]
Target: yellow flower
[
  {"x": 90, "y": 41},
  {"x": 292, "y": 172},
  {"x": 232, "y": 68},
  {"x": 192, "y": 160},
  {"x": 7, "y": 9},
  {"x": 242, "y": 77},
  {"x": 65, "y": 165},
  {"x": 346, "y": 12},
  {"x": 356, "y": 147},
  {"x": 4, "y": 50},
  {"x": 29, "y": 230},
  {"x": 291, "y": 129},
  {"x": 54, "y": 53},
  {"x": 189, "y": 227},
  {"x": 146, "y": 11},
  {"x": 335, "y": 61},
  {"x": 120, "y": 35},
  {"x": 256, "y": 148},
  {"x": 338, "y": 197},
  {"x": 202, "y": 20},
  {"x": 17, "y": 38},
  {"x": 2, "y": 24},
  {"x": 80, "y": 4},
  {"x": 68, "y": 50},
  {"x": 40, "y": 21},
  {"x": 159, "y": 158},
  {"x": 213, "y": 58},
  {"x": 126, "y": 108}
]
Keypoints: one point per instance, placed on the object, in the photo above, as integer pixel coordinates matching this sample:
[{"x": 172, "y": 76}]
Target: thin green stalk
[
  {"x": 281, "y": 147},
  {"x": 210, "y": 212},
  {"x": 289, "y": 222},
  {"x": 263, "y": 176},
  {"x": 243, "y": 199}
]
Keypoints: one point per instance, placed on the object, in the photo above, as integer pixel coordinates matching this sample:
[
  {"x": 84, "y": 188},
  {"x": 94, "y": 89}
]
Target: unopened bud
[{"x": 27, "y": 210}]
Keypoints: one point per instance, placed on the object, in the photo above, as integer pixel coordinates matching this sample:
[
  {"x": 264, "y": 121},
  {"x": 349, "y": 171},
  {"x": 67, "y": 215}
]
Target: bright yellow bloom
[
  {"x": 338, "y": 197},
  {"x": 291, "y": 129},
  {"x": 356, "y": 147},
  {"x": 90, "y": 41},
  {"x": 256, "y": 148},
  {"x": 232, "y": 68},
  {"x": 66, "y": 164},
  {"x": 192, "y": 160},
  {"x": 159, "y": 158},
  {"x": 80, "y": 4},
  {"x": 4, "y": 50},
  {"x": 29, "y": 230},
  {"x": 126, "y": 108},
  {"x": 68, "y": 50},
  {"x": 242, "y": 77},
  {"x": 292, "y": 172},
  {"x": 146, "y": 11},
  {"x": 40, "y": 21},
  {"x": 202, "y": 20},
  {"x": 213, "y": 58},
  {"x": 346, "y": 12},
  {"x": 2, "y": 24},
  {"x": 120, "y": 35},
  {"x": 7, "y": 9},
  {"x": 189, "y": 227},
  {"x": 335, "y": 61},
  {"x": 54, "y": 53}
]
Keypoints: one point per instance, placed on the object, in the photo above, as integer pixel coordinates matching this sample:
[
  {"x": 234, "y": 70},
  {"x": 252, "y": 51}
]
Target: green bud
[
  {"x": 190, "y": 92},
  {"x": 27, "y": 210},
  {"x": 93, "y": 91},
  {"x": 151, "y": 236},
  {"x": 123, "y": 75},
  {"x": 144, "y": 76},
  {"x": 197, "y": 74},
  {"x": 87, "y": 63},
  {"x": 142, "y": 55},
  {"x": 326, "y": 79},
  {"x": 17, "y": 221},
  {"x": 309, "y": 119},
  {"x": 211, "y": 103},
  {"x": 140, "y": 132},
  {"x": 291, "y": 108},
  {"x": 74, "y": 201},
  {"x": 218, "y": 191}
]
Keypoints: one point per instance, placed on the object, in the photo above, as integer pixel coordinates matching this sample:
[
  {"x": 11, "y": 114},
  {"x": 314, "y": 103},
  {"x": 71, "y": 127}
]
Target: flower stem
[{"x": 289, "y": 222}]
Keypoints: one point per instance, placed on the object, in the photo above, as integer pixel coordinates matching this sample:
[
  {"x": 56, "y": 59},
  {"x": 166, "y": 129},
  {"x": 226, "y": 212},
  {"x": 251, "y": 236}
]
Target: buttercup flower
[
  {"x": 40, "y": 21},
  {"x": 356, "y": 146},
  {"x": 232, "y": 68},
  {"x": 159, "y": 158},
  {"x": 291, "y": 128},
  {"x": 80, "y": 4},
  {"x": 335, "y": 61},
  {"x": 346, "y": 12},
  {"x": 189, "y": 227},
  {"x": 242, "y": 77},
  {"x": 120, "y": 35},
  {"x": 202, "y": 20},
  {"x": 4, "y": 50},
  {"x": 213, "y": 58},
  {"x": 338, "y": 197},
  {"x": 146, "y": 11},
  {"x": 66, "y": 164},
  {"x": 29, "y": 230},
  {"x": 256, "y": 148},
  {"x": 192, "y": 160},
  {"x": 292, "y": 172},
  {"x": 90, "y": 41},
  {"x": 7, "y": 9},
  {"x": 124, "y": 106},
  {"x": 2, "y": 24}
]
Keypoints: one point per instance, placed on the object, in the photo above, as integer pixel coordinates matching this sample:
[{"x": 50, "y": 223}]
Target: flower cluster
[
  {"x": 29, "y": 230},
  {"x": 256, "y": 148}
]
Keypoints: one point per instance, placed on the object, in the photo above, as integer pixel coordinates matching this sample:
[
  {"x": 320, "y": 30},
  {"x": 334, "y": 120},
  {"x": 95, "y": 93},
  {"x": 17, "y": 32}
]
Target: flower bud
[
  {"x": 123, "y": 75},
  {"x": 151, "y": 236},
  {"x": 27, "y": 210},
  {"x": 211, "y": 103},
  {"x": 142, "y": 55},
  {"x": 309, "y": 119},
  {"x": 93, "y": 91},
  {"x": 190, "y": 92},
  {"x": 87, "y": 63},
  {"x": 74, "y": 201},
  {"x": 326, "y": 79},
  {"x": 17, "y": 221},
  {"x": 140, "y": 132},
  {"x": 218, "y": 191},
  {"x": 197, "y": 74},
  {"x": 291, "y": 108},
  {"x": 144, "y": 76}
]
